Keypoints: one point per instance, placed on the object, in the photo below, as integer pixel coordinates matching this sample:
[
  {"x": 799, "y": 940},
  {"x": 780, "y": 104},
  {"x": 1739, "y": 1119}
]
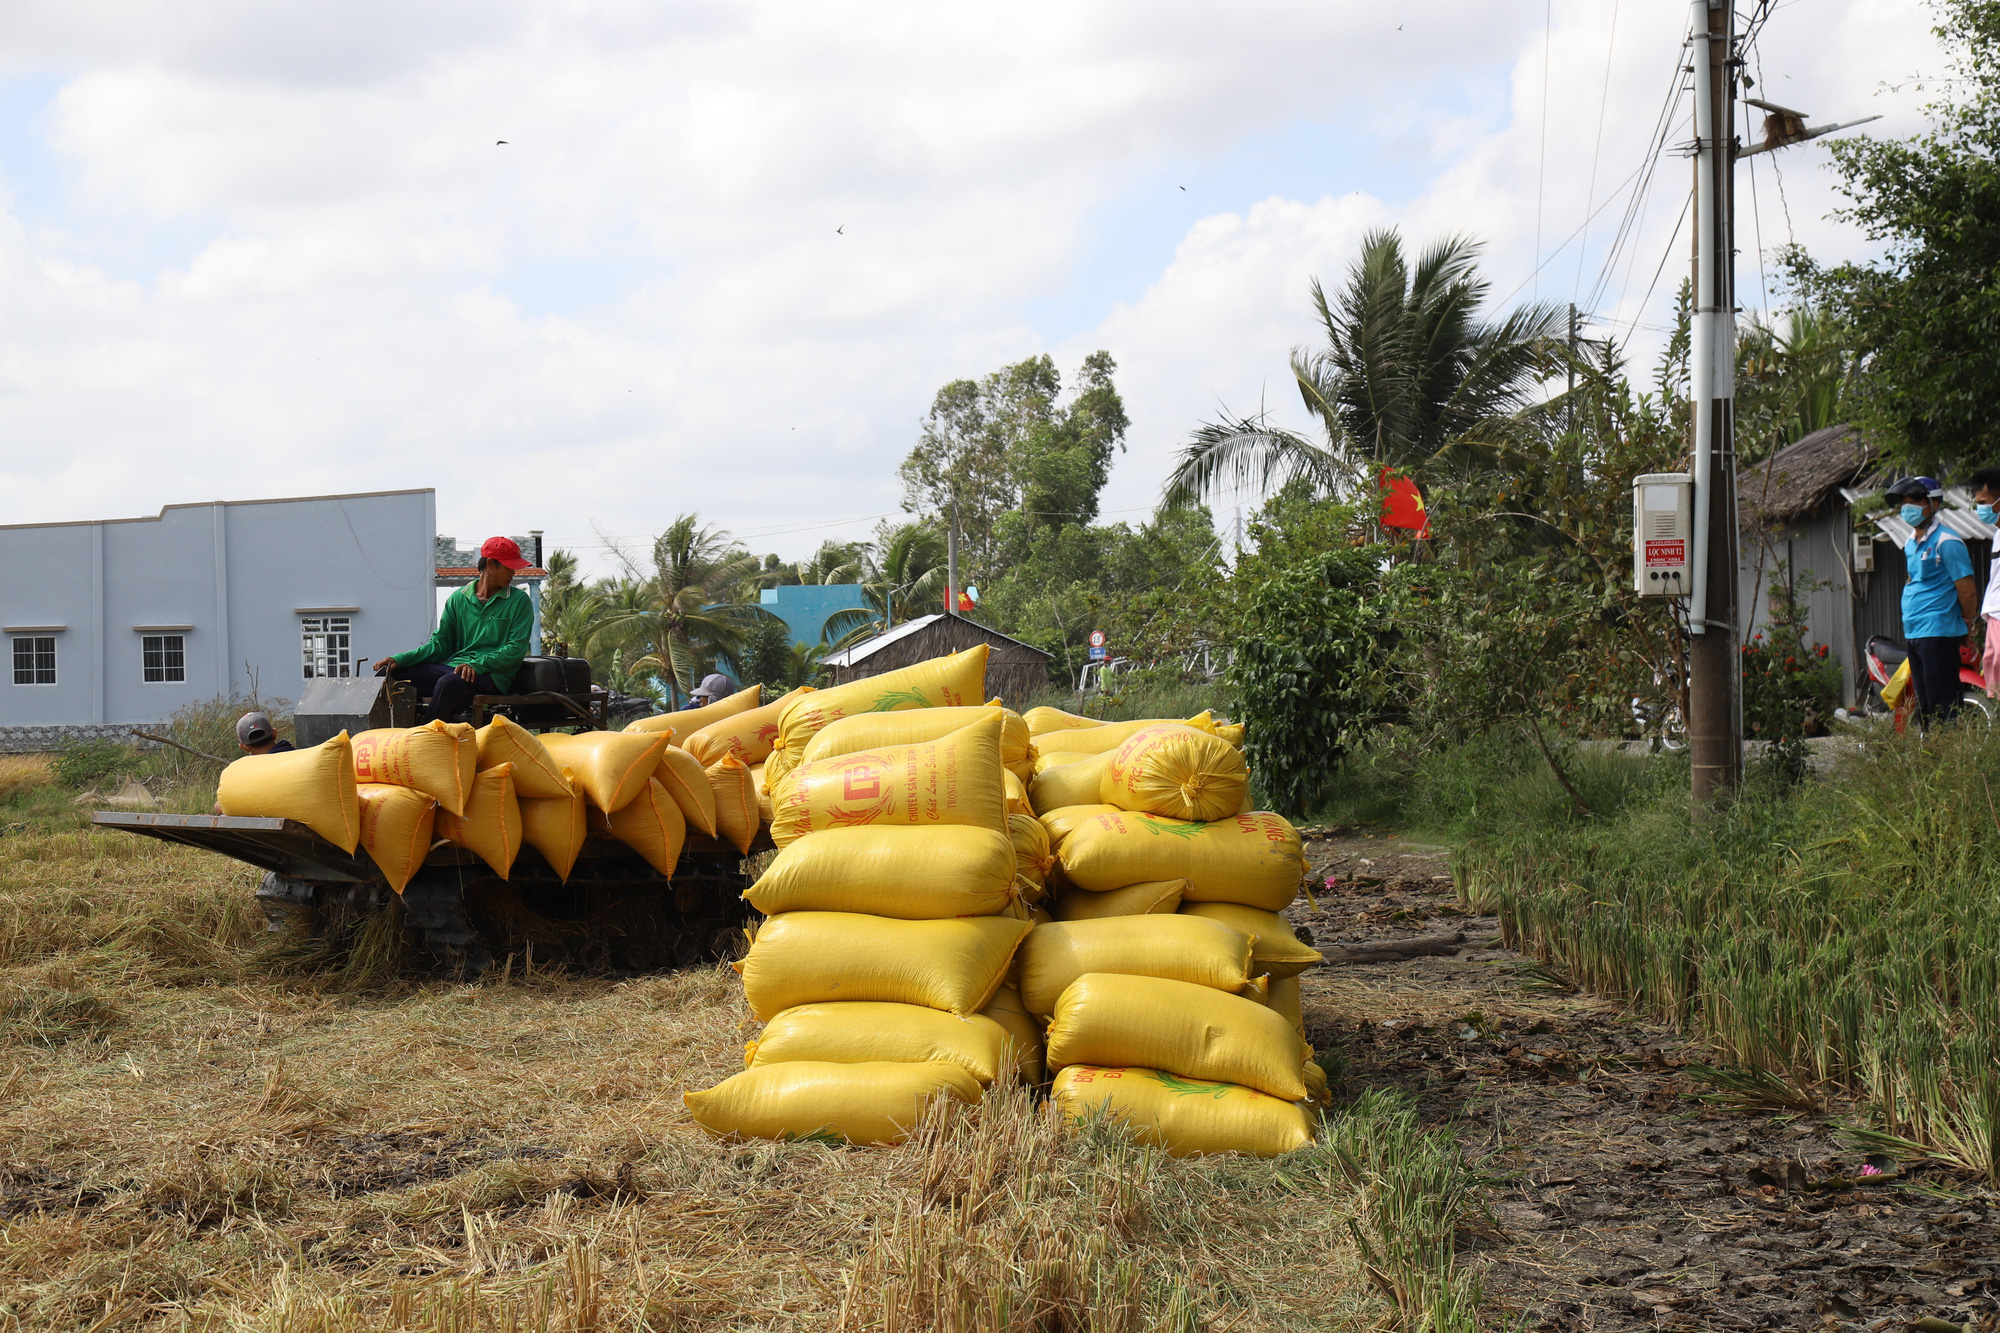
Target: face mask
[
  {"x": 1913, "y": 515},
  {"x": 1985, "y": 513}
]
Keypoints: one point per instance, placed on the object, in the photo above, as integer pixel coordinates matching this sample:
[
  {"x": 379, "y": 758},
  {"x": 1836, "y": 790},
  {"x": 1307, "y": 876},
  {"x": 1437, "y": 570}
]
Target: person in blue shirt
[{"x": 1939, "y": 602}]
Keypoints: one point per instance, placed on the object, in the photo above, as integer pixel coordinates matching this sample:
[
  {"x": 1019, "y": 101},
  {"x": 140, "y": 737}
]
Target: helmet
[{"x": 1916, "y": 488}]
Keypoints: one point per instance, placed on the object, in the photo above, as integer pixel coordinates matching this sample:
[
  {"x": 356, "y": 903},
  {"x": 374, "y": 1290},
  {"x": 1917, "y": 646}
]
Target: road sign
[
  {"x": 1097, "y": 638},
  {"x": 1097, "y": 653}
]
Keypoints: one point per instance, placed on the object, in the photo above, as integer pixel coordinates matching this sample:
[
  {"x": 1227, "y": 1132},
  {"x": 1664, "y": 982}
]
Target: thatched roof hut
[
  {"x": 1801, "y": 478},
  {"x": 1014, "y": 670}
]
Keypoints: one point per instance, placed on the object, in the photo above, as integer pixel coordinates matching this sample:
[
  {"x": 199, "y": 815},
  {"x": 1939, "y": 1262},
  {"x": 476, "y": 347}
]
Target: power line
[
  {"x": 1596, "y": 150},
  {"x": 1542, "y": 171},
  {"x": 1624, "y": 241}
]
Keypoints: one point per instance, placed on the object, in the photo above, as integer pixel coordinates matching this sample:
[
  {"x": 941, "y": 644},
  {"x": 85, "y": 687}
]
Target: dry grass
[
  {"x": 193, "y": 1138},
  {"x": 22, "y": 773}
]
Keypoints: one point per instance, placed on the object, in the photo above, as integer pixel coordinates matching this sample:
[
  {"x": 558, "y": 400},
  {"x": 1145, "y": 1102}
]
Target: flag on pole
[{"x": 1403, "y": 505}]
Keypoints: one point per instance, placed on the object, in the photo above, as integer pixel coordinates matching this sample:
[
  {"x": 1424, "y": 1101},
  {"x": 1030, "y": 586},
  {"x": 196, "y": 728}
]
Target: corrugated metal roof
[
  {"x": 862, "y": 651},
  {"x": 1956, "y": 515}
]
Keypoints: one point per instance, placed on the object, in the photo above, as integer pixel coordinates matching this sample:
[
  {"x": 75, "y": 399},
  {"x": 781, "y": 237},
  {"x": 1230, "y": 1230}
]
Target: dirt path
[{"x": 1623, "y": 1199}]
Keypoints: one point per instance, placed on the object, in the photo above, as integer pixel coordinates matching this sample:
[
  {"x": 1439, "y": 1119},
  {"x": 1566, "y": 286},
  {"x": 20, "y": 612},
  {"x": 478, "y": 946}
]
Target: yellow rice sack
[
  {"x": 1032, "y": 858},
  {"x": 1255, "y": 859},
  {"x": 912, "y": 874},
  {"x": 1041, "y": 721},
  {"x": 1182, "y": 1115},
  {"x": 735, "y": 794},
  {"x": 1198, "y": 1032},
  {"x": 879, "y": 1103},
  {"x": 556, "y": 826},
  {"x": 1102, "y": 740},
  {"x": 612, "y": 767},
  {"x": 748, "y": 735},
  {"x": 1052, "y": 757},
  {"x": 954, "y": 779},
  {"x": 1017, "y": 794},
  {"x": 1062, "y": 822},
  {"x": 1314, "y": 1077},
  {"x": 652, "y": 826},
  {"x": 760, "y": 786},
  {"x": 688, "y": 721},
  {"x": 1079, "y": 783},
  {"x": 490, "y": 828},
  {"x": 1023, "y": 1051},
  {"x": 537, "y": 776},
  {"x": 1040, "y": 915},
  {"x": 1278, "y": 951},
  {"x": 941, "y": 682},
  {"x": 862, "y": 1032},
  {"x": 429, "y": 759},
  {"x": 1150, "y": 897},
  {"x": 813, "y": 957},
  {"x": 1054, "y": 956},
  {"x": 1231, "y": 732},
  {"x": 1175, "y": 772},
  {"x": 396, "y": 824},
  {"x": 314, "y": 786},
  {"x": 687, "y": 782},
  {"x": 1283, "y": 999},
  {"x": 881, "y": 731}
]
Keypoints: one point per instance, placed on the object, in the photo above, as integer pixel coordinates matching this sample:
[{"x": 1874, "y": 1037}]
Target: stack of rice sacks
[
  {"x": 394, "y": 791},
  {"x": 892, "y": 909},
  {"x": 1168, "y": 979}
]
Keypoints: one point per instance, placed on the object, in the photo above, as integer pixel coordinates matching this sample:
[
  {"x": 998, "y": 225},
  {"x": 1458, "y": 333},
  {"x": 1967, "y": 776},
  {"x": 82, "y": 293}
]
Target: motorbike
[{"x": 1885, "y": 655}]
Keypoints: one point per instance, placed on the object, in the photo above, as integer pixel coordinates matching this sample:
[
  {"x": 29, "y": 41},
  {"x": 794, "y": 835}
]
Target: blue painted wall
[{"x": 805, "y": 608}]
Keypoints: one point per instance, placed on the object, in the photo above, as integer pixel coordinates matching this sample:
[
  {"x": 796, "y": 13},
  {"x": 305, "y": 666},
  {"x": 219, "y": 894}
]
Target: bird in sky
[
  {"x": 841, "y": 230},
  {"x": 498, "y": 142},
  {"x": 1183, "y": 187}
]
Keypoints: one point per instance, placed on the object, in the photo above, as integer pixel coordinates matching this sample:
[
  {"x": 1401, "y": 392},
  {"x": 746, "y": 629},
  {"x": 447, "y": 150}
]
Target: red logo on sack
[{"x": 860, "y": 784}]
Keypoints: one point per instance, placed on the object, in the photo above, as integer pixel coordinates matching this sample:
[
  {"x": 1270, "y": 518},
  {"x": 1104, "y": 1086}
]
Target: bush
[{"x": 83, "y": 764}]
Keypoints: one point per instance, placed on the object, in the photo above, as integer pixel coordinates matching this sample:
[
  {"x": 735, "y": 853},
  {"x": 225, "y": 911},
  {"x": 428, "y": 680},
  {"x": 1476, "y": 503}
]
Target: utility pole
[
  {"x": 1715, "y": 724},
  {"x": 951, "y": 564}
]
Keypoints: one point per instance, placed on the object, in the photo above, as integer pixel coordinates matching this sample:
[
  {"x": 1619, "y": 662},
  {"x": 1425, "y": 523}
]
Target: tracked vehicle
[{"x": 615, "y": 914}]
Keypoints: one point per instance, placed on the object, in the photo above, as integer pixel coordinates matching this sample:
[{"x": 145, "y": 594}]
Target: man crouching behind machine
[{"x": 480, "y": 641}]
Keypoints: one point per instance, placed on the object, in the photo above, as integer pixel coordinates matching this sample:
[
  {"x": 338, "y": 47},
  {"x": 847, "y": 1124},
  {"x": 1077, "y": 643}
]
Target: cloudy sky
[{"x": 730, "y": 249}]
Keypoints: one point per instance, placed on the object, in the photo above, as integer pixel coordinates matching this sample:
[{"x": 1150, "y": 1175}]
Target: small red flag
[{"x": 1403, "y": 505}]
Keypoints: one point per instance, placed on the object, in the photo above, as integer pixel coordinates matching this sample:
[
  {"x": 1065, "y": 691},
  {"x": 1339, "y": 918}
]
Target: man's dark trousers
[
  {"x": 1934, "y": 673},
  {"x": 449, "y": 695}
]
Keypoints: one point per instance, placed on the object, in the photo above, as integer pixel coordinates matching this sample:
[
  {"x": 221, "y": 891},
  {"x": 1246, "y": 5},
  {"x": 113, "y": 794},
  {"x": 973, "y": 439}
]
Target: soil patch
[{"x": 1623, "y": 1195}]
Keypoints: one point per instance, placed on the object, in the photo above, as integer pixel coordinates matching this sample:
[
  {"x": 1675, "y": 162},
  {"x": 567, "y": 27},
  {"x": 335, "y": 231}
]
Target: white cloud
[{"x": 286, "y": 256}]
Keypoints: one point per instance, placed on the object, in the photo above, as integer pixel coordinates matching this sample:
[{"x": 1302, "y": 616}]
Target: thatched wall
[{"x": 1014, "y": 671}]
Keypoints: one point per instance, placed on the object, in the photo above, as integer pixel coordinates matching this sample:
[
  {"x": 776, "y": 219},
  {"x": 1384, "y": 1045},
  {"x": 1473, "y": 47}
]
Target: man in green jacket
[{"x": 481, "y": 637}]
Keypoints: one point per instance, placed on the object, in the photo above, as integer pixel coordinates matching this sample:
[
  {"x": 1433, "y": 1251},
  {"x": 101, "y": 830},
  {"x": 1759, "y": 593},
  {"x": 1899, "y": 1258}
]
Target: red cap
[{"x": 504, "y": 550}]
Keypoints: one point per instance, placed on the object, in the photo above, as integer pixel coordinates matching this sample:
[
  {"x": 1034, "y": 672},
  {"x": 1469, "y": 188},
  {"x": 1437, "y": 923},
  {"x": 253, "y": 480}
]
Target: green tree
[
  {"x": 1926, "y": 319},
  {"x": 1409, "y": 376},
  {"x": 687, "y": 609}
]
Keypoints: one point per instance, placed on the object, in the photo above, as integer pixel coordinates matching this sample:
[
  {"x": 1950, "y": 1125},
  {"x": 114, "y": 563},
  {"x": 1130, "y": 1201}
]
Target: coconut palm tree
[
  {"x": 687, "y": 609},
  {"x": 1409, "y": 377}
]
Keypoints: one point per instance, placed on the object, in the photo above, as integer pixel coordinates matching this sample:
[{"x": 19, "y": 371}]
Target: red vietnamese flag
[{"x": 1403, "y": 505}]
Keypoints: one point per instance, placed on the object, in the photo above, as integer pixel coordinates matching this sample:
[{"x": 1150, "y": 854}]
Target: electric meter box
[{"x": 1663, "y": 534}]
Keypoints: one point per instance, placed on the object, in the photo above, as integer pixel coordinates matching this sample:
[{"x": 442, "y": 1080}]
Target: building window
[
  {"x": 163, "y": 658},
  {"x": 326, "y": 646},
  {"x": 35, "y": 659}
]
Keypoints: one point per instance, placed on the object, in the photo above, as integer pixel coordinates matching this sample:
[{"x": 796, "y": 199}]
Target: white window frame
[
  {"x": 327, "y": 642},
  {"x": 172, "y": 650},
  {"x": 34, "y": 653}
]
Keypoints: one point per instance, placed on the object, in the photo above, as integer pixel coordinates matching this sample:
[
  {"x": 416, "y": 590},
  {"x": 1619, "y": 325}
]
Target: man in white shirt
[{"x": 1985, "y": 485}]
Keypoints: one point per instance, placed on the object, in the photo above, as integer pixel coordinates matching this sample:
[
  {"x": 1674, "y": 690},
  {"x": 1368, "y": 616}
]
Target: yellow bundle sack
[
  {"x": 1046, "y": 759},
  {"x": 735, "y": 795},
  {"x": 1079, "y": 783},
  {"x": 760, "y": 786},
  {"x": 1283, "y": 999},
  {"x": 879, "y": 1103},
  {"x": 1062, "y": 822},
  {"x": 612, "y": 767},
  {"x": 1153, "y": 896},
  {"x": 1017, "y": 794},
  {"x": 490, "y": 828},
  {"x": 1041, "y": 721},
  {"x": 1175, "y": 772},
  {"x": 688, "y": 721},
  {"x": 1231, "y": 732},
  {"x": 652, "y": 826},
  {"x": 954, "y": 779},
  {"x": 1195, "y": 1031},
  {"x": 556, "y": 826},
  {"x": 1022, "y": 1054},
  {"x": 862, "y": 1032},
  {"x": 1032, "y": 858},
  {"x": 911, "y": 874},
  {"x": 882, "y": 731},
  {"x": 1104, "y": 739},
  {"x": 314, "y": 786},
  {"x": 1278, "y": 951},
  {"x": 537, "y": 776},
  {"x": 1255, "y": 859},
  {"x": 396, "y": 824},
  {"x": 1054, "y": 956},
  {"x": 749, "y": 735},
  {"x": 941, "y": 682},
  {"x": 429, "y": 759},
  {"x": 687, "y": 782},
  {"x": 1186, "y": 1117},
  {"x": 813, "y": 957}
]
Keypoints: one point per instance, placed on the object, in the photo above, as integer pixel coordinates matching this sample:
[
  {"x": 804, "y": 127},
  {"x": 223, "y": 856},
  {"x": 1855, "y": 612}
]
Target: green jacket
[{"x": 490, "y": 636}]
